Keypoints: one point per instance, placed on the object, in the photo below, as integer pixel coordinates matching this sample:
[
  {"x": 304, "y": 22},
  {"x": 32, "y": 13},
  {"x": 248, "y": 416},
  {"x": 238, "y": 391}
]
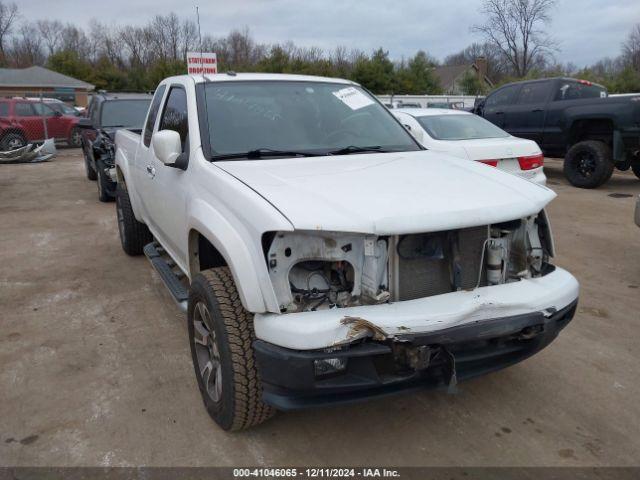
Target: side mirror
[
  {"x": 57, "y": 114},
  {"x": 167, "y": 146},
  {"x": 84, "y": 122}
]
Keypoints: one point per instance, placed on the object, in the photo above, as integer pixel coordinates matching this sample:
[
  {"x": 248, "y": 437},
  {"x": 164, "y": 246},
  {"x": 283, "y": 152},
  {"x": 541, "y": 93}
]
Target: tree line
[{"x": 136, "y": 58}]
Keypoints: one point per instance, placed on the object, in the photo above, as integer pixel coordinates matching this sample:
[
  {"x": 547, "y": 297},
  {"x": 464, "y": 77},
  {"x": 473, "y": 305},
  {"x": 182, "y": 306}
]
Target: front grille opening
[{"x": 442, "y": 262}]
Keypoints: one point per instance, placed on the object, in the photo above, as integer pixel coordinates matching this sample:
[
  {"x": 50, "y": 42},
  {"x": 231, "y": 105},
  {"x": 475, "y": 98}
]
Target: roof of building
[
  {"x": 39, "y": 77},
  {"x": 448, "y": 74}
]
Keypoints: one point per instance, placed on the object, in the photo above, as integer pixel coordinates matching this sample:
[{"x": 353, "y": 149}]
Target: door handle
[
  {"x": 499, "y": 113},
  {"x": 537, "y": 110},
  {"x": 151, "y": 171}
]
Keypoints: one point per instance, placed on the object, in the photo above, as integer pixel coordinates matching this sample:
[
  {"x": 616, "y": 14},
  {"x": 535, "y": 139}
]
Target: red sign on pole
[{"x": 204, "y": 63}]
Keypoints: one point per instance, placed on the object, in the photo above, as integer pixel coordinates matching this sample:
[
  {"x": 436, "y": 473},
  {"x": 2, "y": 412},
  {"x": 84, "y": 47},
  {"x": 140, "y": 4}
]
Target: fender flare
[{"x": 255, "y": 290}]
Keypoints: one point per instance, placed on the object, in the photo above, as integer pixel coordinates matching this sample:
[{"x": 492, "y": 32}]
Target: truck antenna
[{"x": 200, "y": 41}]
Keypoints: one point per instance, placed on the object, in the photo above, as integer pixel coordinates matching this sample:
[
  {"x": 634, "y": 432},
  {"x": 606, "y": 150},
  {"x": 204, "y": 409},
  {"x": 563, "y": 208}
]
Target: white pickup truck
[{"x": 324, "y": 256}]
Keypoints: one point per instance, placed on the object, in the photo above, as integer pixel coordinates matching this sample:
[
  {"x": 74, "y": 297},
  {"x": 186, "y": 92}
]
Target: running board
[{"x": 171, "y": 280}]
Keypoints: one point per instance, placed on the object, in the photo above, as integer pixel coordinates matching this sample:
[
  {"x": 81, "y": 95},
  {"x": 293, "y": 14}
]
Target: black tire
[
  {"x": 134, "y": 235},
  {"x": 91, "y": 173},
  {"x": 588, "y": 164},
  {"x": 105, "y": 185},
  {"x": 75, "y": 138},
  {"x": 636, "y": 169},
  {"x": 229, "y": 338},
  {"x": 11, "y": 141}
]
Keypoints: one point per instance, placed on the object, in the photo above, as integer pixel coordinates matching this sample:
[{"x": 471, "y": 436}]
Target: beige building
[{"x": 35, "y": 81}]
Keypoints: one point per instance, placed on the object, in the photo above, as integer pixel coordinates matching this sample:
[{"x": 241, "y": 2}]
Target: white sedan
[{"x": 468, "y": 136}]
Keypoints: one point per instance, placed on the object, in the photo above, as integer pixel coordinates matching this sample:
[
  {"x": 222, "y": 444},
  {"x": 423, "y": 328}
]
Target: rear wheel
[
  {"x": 11, "y": 141},
  {"x": 134, "y": 235},
  {"x": 221, "y": 338},
  {"x": 588, "y": 164}
]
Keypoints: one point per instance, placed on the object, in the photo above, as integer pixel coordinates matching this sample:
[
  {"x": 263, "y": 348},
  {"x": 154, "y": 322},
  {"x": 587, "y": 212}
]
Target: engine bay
[{"x": 319, "y": 270}]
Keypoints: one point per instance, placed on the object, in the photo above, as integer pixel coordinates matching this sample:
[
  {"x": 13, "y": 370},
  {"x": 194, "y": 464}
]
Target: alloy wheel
[{"x": 207, "y": 353}]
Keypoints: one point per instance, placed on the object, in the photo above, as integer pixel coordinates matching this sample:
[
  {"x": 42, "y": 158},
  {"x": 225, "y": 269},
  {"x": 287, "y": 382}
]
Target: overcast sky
[{"x": 587, "y": 30}]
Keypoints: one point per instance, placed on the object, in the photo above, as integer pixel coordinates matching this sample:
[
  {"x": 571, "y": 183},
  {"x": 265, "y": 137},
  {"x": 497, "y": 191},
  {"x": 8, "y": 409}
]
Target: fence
[
  {"x": 34, "y": 119},
  {"x": 424, "y": 101}
]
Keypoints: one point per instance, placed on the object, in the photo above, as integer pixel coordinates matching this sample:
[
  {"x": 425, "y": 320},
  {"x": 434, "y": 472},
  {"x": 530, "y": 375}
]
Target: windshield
[
  {"x": 63, "y": 108},
  {"x": 295, "y": 116},
  {"x": 577, "y": 90},
  {"x": 459, "y": 127},
  {"x": 124, "y": 113}
]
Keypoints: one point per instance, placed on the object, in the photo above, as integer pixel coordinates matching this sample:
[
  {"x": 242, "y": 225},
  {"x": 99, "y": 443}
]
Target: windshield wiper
[
  {"x": 355, "y": 149},
  {"x": 262, "y": 153}
]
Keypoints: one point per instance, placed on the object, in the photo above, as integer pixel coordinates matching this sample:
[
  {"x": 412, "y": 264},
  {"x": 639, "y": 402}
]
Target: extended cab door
[
  {"x": 142, "y": 159},
  {"x": 497, "y": 102},
  {"x": 525, "y": 119},
  {"x": 167, "y": 184}
]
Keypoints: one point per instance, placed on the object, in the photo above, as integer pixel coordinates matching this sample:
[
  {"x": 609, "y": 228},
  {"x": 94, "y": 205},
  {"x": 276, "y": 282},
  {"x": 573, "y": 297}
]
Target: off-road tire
[
  {"x": 104, "y": 184},
  {"x": 134, "y": 235},
  {"x": 598, "y": 157},
  {"x": 91, "y": 173},
  {"x": 12, "y": 138},
  {"x": 636, "y": 169},
  {"x": 240, "y": 405}
]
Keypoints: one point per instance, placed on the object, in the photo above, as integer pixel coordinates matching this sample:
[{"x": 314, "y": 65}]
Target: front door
[
  {"x": 167, "y": 207},
  {"x": 525, "y": 119}
]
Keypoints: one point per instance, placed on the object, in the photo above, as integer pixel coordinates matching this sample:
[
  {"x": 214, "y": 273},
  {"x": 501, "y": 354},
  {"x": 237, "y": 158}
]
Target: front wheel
[
  {"x": 75, "y": 138},
  {"x": 588, "y": 164},
  {"x": 221, "y": 338},
  {"x": 89, "y": 170},
  {"x": 105, "y": 185},
  {"x": 12, "y": 141}
]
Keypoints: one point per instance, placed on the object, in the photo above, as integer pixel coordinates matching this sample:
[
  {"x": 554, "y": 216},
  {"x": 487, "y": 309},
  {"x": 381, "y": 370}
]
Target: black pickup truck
[
  {"x": 574, "y": 119},
  {"x": 107, "y": 113}
]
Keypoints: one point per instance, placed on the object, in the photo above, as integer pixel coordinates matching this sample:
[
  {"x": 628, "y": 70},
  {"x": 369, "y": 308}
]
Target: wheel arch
[{"x": 226, "y": 247}]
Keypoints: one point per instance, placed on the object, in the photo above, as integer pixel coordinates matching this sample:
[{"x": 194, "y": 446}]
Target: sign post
[{"x": 202, "y": 63}]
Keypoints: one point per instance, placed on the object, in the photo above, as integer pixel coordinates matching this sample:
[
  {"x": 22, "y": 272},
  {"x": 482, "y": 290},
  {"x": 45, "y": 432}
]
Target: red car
[{"x": 23, "y": 121}]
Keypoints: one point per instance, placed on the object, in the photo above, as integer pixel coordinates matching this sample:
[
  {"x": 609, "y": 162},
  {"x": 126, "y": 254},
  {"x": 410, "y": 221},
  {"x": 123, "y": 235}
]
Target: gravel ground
[{"x": 95, "y": 366}]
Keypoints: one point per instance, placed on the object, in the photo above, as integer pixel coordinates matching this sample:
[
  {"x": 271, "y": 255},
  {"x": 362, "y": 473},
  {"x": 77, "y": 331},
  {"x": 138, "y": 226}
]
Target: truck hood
[{"x": 389, "y": 193}]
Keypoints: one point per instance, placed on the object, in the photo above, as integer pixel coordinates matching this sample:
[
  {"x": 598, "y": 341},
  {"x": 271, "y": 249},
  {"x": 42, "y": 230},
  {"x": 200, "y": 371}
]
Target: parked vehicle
[
  {"x": 107, "y": 113},
  {"x": 57, "y": 105},
  {"x": 573, "y": 119},
  {"x": 322, "y": 255},
  {"x": 467, "y": 136},
  {"x": 23, "y": 121}
]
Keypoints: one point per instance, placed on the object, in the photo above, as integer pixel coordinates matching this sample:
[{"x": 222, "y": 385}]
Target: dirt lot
[{"x": 95, "y": 366}]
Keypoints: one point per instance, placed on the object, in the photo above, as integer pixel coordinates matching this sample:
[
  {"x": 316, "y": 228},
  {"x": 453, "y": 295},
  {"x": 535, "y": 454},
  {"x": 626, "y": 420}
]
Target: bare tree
[
  {"x": 515, "y": 28},
  {"x": 51, "y": 34},
  {"x": 8, "y": 17},
  {"x": 631, "y": 48},
  {"x": 26, "y": 47}
]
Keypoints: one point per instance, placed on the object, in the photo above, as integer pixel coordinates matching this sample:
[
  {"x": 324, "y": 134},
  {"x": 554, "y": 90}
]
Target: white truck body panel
[{"x": 233, "y": 203}]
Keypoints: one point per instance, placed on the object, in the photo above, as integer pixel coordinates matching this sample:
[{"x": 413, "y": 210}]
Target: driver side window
[{"x": 175, "y": 117}]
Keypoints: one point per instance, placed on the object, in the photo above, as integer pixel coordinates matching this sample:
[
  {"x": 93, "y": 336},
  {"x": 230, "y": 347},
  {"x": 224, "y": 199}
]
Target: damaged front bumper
[
  {"x": 340, "y": 326},
  {"x": 370, "y": 368}
]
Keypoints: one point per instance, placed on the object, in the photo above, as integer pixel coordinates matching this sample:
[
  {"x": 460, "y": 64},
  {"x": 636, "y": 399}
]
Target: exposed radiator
[{"x": 425, "y": 262}]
